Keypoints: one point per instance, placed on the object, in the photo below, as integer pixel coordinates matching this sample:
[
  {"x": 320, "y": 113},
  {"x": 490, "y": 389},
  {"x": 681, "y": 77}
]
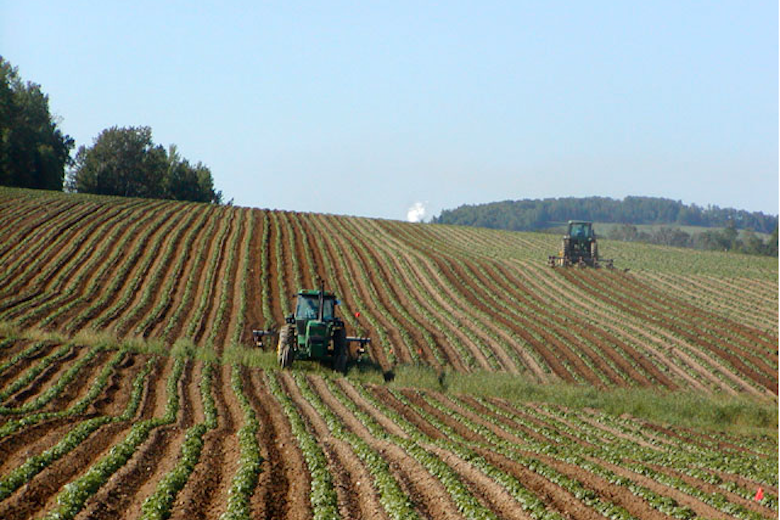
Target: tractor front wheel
[{"x": 284, "y": 351}]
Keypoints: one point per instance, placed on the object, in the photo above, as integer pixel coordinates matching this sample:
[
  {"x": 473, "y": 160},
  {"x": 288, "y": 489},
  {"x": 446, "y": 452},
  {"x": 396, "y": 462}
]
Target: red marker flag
[
  {"x": 759, "y": 495},
  {"x": 357, "y": 314}
]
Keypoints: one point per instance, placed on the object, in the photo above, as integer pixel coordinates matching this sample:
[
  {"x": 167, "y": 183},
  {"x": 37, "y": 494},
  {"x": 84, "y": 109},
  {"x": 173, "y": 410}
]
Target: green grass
[{"x": 743, "y": 415}]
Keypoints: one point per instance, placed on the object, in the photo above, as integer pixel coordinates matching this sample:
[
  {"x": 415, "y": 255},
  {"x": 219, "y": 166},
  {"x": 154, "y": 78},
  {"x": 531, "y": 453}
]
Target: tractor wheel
[
  {"x": 284, "y": 350},
  {"x": 340, "y": 351}
]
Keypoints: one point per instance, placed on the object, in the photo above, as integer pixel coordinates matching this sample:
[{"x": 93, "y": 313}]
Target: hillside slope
[{"x": 459, "y": 298}]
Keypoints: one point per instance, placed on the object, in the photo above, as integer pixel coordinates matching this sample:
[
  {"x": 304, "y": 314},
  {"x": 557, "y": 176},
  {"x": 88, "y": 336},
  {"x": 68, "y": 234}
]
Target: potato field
[{"x": 128, "y": 387}]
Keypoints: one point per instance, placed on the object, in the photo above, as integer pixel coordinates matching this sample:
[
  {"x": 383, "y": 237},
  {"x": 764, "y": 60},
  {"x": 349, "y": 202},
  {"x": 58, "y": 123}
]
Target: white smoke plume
[{"x": 416, "y": 213}]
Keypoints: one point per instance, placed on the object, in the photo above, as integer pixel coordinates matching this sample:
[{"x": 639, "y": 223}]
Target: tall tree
[
  {"x": 33, "y": 150},
  {"x": 121, "y": 161},
  {"x": 126, "y": 162}
]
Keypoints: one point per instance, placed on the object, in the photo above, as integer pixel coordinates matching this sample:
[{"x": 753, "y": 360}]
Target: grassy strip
[{"x": 741, "y": 415}]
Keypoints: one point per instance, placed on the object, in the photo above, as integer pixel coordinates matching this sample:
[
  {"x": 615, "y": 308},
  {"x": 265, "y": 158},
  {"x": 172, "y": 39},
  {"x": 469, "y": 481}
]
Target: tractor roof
[
  {"x": 580, "y": 222},
  {"x": 314, "y": 292}
]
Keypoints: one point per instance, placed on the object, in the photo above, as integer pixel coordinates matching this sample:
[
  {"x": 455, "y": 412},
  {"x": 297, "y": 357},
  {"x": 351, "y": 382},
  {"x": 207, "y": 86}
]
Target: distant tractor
[
  {"x": 314, "y": 332},
  {"x": 579, "y": 248}
]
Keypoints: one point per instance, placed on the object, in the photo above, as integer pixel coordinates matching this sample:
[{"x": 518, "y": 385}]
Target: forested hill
[{"x": 530, "y": 215}]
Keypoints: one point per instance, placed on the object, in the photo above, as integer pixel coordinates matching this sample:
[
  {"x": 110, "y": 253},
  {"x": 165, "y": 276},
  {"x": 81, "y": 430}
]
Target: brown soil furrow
[
  {"x": 32, "y": 440},
  {"x": 197, "y": 276},
  {"x": 691, "y": 288},
  {"x": 508, "y": 407},
  {"x": 50, "y": 278},
  {"x": 87, "y": 278},
  {"x": 286, "y": 268},
  {"x": 749, "y": 504},
  {"x": 113, "y": 400},
  {"x": 28, "y": 221},
  {"x": 432, "y": 280},
  {"x": 364, "y": 277},
  {"x": 554, "y": 497},
  {"x": 542, "y": 320},
  {"x": 42, "y": 248},
  {"x": 254, "y": 291},
  {"x": 432, "y": 277},
  {"x": 426, "y": 491},
  {"x": 379, "y": 271},
  {"x": 328, "y": 250},
  {"x": 351, "y": 479},
  {"x": 38, "y": 241},
  {"x": 183, "y": 266},
  {"x": 126, "y": 490},
  {"x": 298, "y": 278},
  {"x": 388, "y": 399},
  {"x": 79, "y": 387},
  {"x": 206, "y": 319},
  {"x": 631, "y": 305},
  {"x": 301, "y": 243},
  {"x": 655, "y": 341},
  {"x": 41, "y": 492},
  {"x": 490, "y": 493},
  {"x": 699, "y": 507},
  {"x": 206, "y": 492},
  {"x": 270, "y": 249},
  {"x": 45, "y": 379},
  {"x": 493, "y": 494},
  {"x": 667, "y": 445},
  {"x": 616, "y": 350},
  {"x": 283, "y": 488},
  {"x": 313, "y": 246},
  {"x": 154, "y": 279},
  {"x": 701, "y": 322},
  {"x": 455, "y": 274},
  {"x": 190, "y": 271},
  {"x": 10, "y": 373},
  {"x": 121, "y": 263},
  {"x": 128, "y": 288},
  {"x": 397, "y": 274},
  {"x": 539, "y": 285},
  {"x": 227, "y": 327},
  {"x": 483, "y": 412}
]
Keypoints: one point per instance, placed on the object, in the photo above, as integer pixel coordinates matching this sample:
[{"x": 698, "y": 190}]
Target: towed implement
[
  {"x": 314, "y": 332},
  {"x": 580, "y": 248}
]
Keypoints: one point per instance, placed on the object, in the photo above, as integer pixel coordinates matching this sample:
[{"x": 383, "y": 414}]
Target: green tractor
[
  {"x": 314, "y": 332},
  {"x": 579, "y": 248}
]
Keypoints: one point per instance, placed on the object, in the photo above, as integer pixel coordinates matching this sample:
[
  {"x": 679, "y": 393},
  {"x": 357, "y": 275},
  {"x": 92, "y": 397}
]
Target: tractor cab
[
  {"x": 318, "y": 306},
  {"x": 581, "y": 230}
]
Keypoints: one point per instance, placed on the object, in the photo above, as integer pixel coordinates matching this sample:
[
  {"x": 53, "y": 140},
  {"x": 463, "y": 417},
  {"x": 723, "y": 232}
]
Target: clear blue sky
[{"x": 366, "y": 108}]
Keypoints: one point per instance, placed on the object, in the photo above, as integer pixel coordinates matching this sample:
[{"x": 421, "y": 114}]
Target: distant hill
[{"x": 538, "y": 214}]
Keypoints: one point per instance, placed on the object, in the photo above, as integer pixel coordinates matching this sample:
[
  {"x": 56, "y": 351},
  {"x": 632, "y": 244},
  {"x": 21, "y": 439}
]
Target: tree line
[
  {"x": 36, "y": 153},
  {"x": 543, "y": 214},
  {"x": 533, "y": 215},
  {"x": 726, "y": 239}
]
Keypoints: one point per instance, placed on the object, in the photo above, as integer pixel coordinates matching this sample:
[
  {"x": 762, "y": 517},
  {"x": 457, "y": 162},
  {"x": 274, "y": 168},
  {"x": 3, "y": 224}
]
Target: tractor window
[
  {"x": 327, "y": 309},
  {"x": 309, "y": 305},
  {"x": 580, "y": 231},
  {"x": 307, "y": 308}
]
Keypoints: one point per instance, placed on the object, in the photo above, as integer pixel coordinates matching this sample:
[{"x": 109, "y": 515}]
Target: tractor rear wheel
[{"x": 284, "y": 350}]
